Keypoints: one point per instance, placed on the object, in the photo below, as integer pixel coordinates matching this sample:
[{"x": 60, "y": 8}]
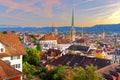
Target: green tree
[
  {"x": 52, "y": 74},
  {"x": 32, "y": 57},
  {"x": 79, "y": 73},
  {"x": 4, "y": 32},
  {"x": 28, "y": 69},
  {"x": 69, "y": 73},
  {"x": 91, "y": 74},
  {"x": 59, "y": 72},
  {"x": 39, "y": 47}
]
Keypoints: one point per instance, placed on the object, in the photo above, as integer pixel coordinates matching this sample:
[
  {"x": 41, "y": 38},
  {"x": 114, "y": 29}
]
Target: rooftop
[
  {"x": 7, "y": 72},
  {"x": 78, "y": 60},
  {"x": 13, "y": 45}
]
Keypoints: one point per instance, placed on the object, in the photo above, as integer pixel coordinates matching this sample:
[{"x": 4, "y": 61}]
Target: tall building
[
  {"x": 103, "y": 34},
  {"x": 53, "y": 30},
  {"x": 72, "y": 31},
  {"x": 56, "y": 31}
]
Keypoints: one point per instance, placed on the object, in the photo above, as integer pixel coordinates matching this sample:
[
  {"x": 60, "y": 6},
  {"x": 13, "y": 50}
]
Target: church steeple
[
  {"x": 72, "y": 31},
  {"x": 72, "y": 27}
]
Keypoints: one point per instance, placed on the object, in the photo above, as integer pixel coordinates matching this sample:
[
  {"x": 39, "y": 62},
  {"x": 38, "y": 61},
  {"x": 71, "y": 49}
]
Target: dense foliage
[
  {"x": 68, "y": 73},
  {"x": 28, "y": 69},
  {"x": 39, "y": 47},
  {"x": 32, "y": 56}
]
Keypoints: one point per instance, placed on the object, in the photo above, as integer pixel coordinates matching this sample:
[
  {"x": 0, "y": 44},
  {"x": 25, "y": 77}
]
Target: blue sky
[{"x": 41, "y": 13}]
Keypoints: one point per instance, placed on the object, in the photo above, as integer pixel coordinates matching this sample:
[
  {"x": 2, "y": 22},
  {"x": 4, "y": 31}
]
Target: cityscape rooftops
[{"x": 78, "y": 60}]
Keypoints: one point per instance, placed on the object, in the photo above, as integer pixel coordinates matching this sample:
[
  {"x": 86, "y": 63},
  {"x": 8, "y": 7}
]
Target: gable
[
  {"x": 13, "y": 46},
  {"x": 2, "y": 45}
]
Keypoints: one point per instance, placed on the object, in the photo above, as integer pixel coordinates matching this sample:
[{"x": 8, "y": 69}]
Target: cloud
[
  {"x": 78, "y": 2},
  {"x": 44, "y": 12},
  {"x": 28, "y": 6},
  {"x": 102, "y": 7},
  {"x": 114, "y": 17},
  {"x": 16, "y": 18}
]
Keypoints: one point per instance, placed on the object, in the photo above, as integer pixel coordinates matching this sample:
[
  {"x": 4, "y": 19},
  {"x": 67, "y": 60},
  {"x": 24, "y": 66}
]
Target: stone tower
[{"x": 72, "y": 31}]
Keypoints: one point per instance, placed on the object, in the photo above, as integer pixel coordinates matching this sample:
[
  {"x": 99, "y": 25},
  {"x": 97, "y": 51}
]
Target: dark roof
[
  {"x": 78, "y": 48},
  {"x": 102, "y": 44},
  {"x": 8, "y": 72},
  {"x": 107, "y": 76},
  {"x": 109, "y": 71},
  {"x": 78, "y": 60}
]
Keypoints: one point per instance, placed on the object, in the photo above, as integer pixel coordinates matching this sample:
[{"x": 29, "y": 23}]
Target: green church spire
[{"x": 73, "y": 20}]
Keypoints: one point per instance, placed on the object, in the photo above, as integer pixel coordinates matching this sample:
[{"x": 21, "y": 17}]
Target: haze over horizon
[{"x": 59, "y": 12}]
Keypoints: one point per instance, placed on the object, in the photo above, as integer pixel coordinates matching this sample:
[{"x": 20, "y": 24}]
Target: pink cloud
[{"x": 27, "y": 6}]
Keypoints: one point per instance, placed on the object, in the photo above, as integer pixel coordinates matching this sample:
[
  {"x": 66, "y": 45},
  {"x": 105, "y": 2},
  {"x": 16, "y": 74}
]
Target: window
[
  {"x": 16, "y": 66},
  {"x": 15, "y": 57},
  {"x": 2, "y": 50}
]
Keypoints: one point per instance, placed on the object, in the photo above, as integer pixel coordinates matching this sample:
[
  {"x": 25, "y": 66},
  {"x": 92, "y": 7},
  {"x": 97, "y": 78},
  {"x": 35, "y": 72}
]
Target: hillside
[{"x": 96, "y": 28}]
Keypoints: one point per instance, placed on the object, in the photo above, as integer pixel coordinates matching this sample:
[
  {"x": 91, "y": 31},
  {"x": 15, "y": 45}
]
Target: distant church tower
[
  {"x": 56, "y": 31},
  {"x": 72, "y": 31},
  {"x": 53, "y": 30},
  {"x": 103, "y": 34}
]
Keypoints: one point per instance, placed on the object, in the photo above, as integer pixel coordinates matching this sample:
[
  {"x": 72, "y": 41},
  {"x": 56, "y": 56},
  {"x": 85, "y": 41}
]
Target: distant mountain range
[{"x": 96, "y": 28}]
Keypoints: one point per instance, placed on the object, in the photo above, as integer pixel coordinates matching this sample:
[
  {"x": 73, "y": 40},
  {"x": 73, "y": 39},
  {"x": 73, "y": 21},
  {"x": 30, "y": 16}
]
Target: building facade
[{"x": 11, "y": 50}]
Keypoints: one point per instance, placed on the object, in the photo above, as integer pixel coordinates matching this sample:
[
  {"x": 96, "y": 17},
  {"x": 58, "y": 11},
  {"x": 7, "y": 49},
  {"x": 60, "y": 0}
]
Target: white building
[
  {"x": 46, "y": 44},
  {"x": 11, "y": 50},
  {"x": 63, "y": 46}
]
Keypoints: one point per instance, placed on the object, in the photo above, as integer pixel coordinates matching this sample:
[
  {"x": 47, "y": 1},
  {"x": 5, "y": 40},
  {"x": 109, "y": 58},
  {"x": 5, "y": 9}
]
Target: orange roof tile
[
  {"x": 7, "y": 72},
  {"x": 13, "y": 45},
  {"x": 48, "y": 37}
]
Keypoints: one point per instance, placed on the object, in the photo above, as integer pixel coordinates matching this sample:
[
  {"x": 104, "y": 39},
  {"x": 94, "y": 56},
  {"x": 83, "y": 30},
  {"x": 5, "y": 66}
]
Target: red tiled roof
[
  {"x": 13, "y": 45},
  {"x": 63, "y": 39},
  {"x": 48, "y": 37},
  {"x": 7, "y": 72}
]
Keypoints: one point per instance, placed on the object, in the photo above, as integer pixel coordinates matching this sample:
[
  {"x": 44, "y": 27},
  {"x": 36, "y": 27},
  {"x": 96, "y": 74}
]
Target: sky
[{"x": 40, "y": 13}]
